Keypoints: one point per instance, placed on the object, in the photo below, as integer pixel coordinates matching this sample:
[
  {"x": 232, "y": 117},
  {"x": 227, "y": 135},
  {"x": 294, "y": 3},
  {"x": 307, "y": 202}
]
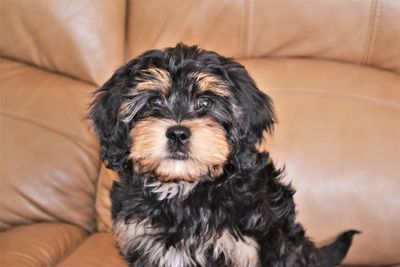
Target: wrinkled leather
[
  {"x": 83, "y": 39},
  {"x": 357, "y": 31},
  {"x": 49, "y": 158},
  {"x": 99, "y": 250},
  {"x": 38, "y": 245},
  {"x": 215, "y": 25},
  {"x": 338, "y": 135}
]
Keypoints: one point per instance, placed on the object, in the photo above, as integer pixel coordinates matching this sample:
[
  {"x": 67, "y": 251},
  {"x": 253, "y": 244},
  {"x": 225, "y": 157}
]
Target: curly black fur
[{"x": 248, "y": 202}]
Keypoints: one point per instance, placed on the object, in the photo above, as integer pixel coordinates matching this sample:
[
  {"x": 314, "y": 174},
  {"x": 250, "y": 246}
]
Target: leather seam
[
  {"x": 8, "y": 59},
  {"x": 374, "y": 32},
  {"x": 245, "y": 28},
  {"x": 372, "y": 100},
  {"x": 250, "y": 17},
  {"x": 126, "y": 31},
  {"x": 366, "y": 35},
  {"x": 72, "y": 250},
  {"x": 71, "y": 138},
  {"x": 398, "y": 51},
  {"x": 243, "y": 32},
  {"x": 369, "y": 30}
]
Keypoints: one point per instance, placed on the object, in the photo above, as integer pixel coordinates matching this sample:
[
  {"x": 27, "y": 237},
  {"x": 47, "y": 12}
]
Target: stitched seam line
[
  {"x": 126, "y": 31},
  {"x": 243, "y": 33},
  {"x": 398, "y": 51},
  {"x": 374, "y": 32},
  {"x": 250, "y": 22},
  {"x": 8, "y": 59},
  {"x": 368, "y": 34},
  {"x": 372, "y": 100},
  {"x": 72, "y": 250}
]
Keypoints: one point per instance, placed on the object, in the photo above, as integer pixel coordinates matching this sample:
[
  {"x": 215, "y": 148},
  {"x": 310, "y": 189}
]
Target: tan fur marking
[
  {"x": 123, "y": 109},
  {"x": 210, "y": 83},
  {"x": 208, "y": 144},
  {"x": 149, "y": 143},
  {"x": 208, "y": 149},
  {"x": 260, "y": 147},
  {"x": 153, "y": 79},
  {"x": 189, "y": 170}
]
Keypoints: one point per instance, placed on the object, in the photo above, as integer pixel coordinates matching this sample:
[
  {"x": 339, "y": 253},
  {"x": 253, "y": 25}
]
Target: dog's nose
[{"x": 178, "y": 134}]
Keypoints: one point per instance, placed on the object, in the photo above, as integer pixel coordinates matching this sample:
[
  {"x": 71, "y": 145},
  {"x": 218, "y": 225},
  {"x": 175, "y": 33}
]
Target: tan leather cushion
[
  {"x": 358, "y": 31},
  {"x": 103, "y": 201},
  {"x": 84, "y": 39},
  {"x": 49, "y": 158},
  {"x": 338, "y": 135},
  {"x": 38, "y": 245},
  {"x": 99, "y": 250}
]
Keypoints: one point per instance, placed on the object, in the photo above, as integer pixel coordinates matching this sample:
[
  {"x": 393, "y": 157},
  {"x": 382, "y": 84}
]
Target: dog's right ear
[{"x": 104, "y": 115}]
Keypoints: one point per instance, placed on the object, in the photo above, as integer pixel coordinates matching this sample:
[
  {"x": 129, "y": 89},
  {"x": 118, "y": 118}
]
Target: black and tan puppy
[{"x": 181, "y": 127}]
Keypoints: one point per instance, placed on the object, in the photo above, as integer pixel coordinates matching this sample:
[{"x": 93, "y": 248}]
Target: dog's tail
[{"x": 332, "y": 254}]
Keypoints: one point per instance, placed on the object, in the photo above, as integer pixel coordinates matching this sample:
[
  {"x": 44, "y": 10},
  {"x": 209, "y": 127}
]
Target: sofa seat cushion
[
  {"x": 338, "y": 134},
  {"x": 99, "y": 250},
  {"x": 49, "y": 158},
  {"x": 39, "y": 245}
]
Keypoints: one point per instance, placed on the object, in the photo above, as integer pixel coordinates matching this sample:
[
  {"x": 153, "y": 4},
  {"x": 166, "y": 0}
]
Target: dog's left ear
[{"x": 258, "y": 113}]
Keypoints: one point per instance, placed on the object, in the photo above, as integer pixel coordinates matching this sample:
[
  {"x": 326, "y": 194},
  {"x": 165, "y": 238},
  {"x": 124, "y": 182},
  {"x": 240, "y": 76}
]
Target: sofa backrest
[
  {"x": 356, "y": 31},
  {"x": 86, "y": 39},
  {"x": 83, "y": 39}
]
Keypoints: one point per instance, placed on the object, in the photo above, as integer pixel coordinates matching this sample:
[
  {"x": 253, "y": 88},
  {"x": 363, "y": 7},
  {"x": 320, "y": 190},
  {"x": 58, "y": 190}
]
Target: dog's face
[{"x": 179, "y": 114}]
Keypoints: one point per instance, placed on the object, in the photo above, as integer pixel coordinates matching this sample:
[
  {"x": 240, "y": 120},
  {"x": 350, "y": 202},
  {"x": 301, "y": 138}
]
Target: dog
[{"x": 182, "y": 127}]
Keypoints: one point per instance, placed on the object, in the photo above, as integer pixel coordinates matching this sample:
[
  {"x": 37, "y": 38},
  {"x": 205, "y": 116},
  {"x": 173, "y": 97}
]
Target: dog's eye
[
  {"x": 155, "y": 102},
  {"x": 203, "y": 103}
]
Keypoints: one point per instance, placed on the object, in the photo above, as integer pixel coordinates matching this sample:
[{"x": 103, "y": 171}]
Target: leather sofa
[{"x": 331, "y": 67}]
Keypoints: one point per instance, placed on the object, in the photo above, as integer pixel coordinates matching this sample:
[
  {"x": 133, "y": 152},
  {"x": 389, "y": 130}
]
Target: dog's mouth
[{"x": 178, "y": 155}]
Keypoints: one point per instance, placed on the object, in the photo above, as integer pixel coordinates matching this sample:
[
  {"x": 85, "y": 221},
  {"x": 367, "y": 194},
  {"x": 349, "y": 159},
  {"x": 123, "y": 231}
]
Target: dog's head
[{"x": 179, "y": 114}]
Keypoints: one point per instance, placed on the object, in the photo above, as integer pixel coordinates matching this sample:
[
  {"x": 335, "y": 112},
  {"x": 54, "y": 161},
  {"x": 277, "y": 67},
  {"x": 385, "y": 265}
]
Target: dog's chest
[{"x": 142, "y": 237}]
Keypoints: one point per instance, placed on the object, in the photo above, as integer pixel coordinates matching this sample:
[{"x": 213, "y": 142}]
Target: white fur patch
[
  {"x": 141, "y": 235},
  {"x": 243, "y": 253},
  {"x": 144, "y": 237},
  {"x": 168, "y": 190},
  {"x": 135, "y": 234}
]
